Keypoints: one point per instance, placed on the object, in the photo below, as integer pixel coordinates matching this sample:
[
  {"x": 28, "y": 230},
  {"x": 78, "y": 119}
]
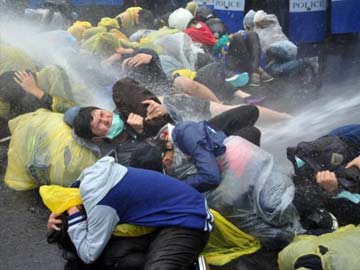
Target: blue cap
[{"x": 70, "y": 115}]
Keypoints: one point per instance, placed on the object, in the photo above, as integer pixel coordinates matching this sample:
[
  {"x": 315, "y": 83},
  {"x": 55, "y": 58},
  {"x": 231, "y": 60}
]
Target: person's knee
[
  {"x": 184, "y": 84},
  {"x": 254, "y": 112}
]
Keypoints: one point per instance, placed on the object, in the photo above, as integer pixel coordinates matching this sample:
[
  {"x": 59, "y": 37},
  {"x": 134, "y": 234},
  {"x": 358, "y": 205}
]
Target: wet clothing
[
  {"x": 240, "y": 54},
  {"x": 204, "y": 145},
  {"x": 128, "y": 96},
  {"x": 239, "y": 121},
  {"x": 351, "y": 135},
  {"x": 201, "y": 34},
  {"x": 52, "y": 80},
  {"x": 331, "y": 152},
  {"x": 213, "y": 76},
  {"x": 113, "y": 194},
  {"x": 244, "y": 52},
  {"x": 151, "y": 75},
  {"x": 242, "y": 181}
]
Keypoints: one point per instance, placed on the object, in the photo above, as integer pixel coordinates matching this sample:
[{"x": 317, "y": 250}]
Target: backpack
[{"x": 325, "y": 153}]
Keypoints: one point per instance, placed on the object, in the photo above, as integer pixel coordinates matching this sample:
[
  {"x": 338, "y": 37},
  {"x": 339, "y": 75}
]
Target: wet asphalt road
[{"x": 23, "y": 219}]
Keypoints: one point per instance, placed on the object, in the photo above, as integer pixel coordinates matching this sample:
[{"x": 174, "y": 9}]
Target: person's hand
[
  {"x": 154, "y": 110},
  {"x": 354, "y": 162},
  {"x": 137, "y": 60},
  {"x": 111, "y": 60},
  {"x": 122, "y": 51},
  {"x": 136, "y": 122},
  {"x": 53, "y": 222},
  {"x": 327, "y": 180},
  {"x": 28, "y": 84}
]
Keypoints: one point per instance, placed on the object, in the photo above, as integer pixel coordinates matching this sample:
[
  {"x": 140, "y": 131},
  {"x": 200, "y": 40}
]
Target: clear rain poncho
[
  {"x": 178, "y": 51},
  {"x": 253, "y": 194}
]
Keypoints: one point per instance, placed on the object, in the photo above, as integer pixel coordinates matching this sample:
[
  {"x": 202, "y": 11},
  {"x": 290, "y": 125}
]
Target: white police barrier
[
  {"x": 345, "y": 16},
  {"x": 307, "y": 20}
]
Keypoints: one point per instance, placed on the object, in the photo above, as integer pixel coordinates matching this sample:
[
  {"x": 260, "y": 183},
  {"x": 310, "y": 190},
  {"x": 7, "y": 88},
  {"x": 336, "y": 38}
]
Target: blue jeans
[{"x": 283, "y": 61}]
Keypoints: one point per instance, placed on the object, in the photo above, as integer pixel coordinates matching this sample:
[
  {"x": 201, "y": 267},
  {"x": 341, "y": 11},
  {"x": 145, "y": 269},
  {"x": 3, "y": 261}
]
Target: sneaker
[
  {"x": 264, "y": 76},
  {"x": 323, "y": 219},
  {"x": 200, "y": 264},
  {"x": 313, "y": 62},
  {"x": 238, "y": 80},
  {"x": 255, "y": 101},
  {"x": 255, "y": 80}
]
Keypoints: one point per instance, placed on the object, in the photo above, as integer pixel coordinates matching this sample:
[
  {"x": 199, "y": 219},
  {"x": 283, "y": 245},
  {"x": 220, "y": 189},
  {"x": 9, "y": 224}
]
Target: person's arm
[
  {"x": 348, "y": 179},
  {"x": 208, "y": 175},
  {"x": 90, "y": 235},
  {"x": 28, "y": 84},
  {"x": 148, "y": 57}
]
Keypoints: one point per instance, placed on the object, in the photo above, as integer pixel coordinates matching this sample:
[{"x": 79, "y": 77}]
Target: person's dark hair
[
  {"x": 146, "y": 18},
  {"x": 62, "y": 238},
  {"x": 82, "y": 122},
  {"x": 63, "y": 241},
  {"x": 162, "y": 21},
  {"x": 148, "y": 157}
]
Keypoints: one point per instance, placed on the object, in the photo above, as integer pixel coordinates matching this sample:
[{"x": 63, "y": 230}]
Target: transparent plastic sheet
[
  {"x": 338, "y": 250},
  {"x": 12, "y": 58},
  {"x": 180, "y": 50},
  {"x": 148, "y": 41},
  {"x": 42, "y": 152},
  {"x": 65, "y": 91},
  {"x": 253, "y": 194}
]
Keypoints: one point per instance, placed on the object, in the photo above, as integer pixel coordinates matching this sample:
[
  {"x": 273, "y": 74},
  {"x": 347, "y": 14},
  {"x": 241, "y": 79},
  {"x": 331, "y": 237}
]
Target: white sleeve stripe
[{"x": 76, "y": 220}]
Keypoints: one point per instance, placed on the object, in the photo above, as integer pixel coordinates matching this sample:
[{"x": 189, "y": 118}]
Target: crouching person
[{"x": 113, "y": 194}]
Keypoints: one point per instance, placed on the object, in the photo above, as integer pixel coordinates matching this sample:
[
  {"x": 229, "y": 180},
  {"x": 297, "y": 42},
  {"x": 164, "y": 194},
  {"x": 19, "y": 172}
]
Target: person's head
[
  {"x": 146, "y": 19},
  {"x": 92, "y": 122},
  {"x": 61, "y": 237},
  {"x": 180, "y": 19}
]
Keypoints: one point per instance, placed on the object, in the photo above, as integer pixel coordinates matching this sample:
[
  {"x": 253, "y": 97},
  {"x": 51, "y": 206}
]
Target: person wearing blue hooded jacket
[
  {"x": 240, "y": 180},
  {"x": 113, "y": 194}
]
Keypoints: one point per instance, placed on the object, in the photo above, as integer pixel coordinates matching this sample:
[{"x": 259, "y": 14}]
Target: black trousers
[
  {"x": 239, "y": 122},
  {"x": 168, "y": 248},
  {"x": 175, "y": 248},
  {"x": 244, "y": 53}
]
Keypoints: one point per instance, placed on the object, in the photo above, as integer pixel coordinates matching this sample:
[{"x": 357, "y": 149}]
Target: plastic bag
[
  {"x": 254, "y": 195},
  {"x": 58, "y": 199},
  {"x": 181, "y": 48},
  {"x": 42, "y": 152},
  {"x": 339, "y": 250},
  {"x": 103, "y": 44},
  {"x": 12, "y": 58},
  {"x": 227, "y": 242}
]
